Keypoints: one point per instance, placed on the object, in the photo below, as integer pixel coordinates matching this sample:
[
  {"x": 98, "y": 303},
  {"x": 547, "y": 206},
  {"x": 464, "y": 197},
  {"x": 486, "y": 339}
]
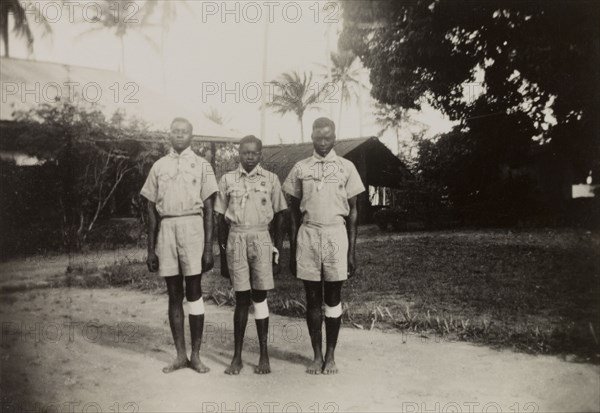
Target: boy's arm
[
  {"x": 295, "y": 218},
  {"x": 223, "y": 234},
  {"x": 153, "y": 220},
  {"x": 278, "y": 238},
  {"x": 351, "y": 228},
  {"x": 207, "y": 255}
]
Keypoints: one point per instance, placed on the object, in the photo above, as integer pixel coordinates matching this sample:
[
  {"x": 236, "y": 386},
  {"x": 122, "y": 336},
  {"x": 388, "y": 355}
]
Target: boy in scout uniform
[
  {"x": 323, "y": 190},
  {"x": 248, "y": 200},
  {"x": 180, "y": 190}
]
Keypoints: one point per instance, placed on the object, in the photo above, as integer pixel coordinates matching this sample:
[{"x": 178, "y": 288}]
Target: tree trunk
[
  {"x": 162, "y": 62},
  {"x": 301, "y": 129},
  {"x": 339, "y": 124},
  {"x": 5, "y": 34},
  {"x": 360, "y": 112},
  {"x": 122, "y": 41}
]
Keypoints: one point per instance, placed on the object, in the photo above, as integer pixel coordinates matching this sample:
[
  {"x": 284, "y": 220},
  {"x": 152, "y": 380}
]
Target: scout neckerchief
[
  {"x": 330, "y": 157},
  {"x": 245, "y": 176}
]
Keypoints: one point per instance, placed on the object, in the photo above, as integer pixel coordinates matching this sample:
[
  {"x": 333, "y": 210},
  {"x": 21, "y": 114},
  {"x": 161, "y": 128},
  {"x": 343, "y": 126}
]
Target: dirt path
[{"x": 103, "y": 350}]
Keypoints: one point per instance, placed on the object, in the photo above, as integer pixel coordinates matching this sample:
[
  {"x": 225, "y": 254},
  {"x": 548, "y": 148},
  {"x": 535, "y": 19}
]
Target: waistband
[
  {"x": 314, "y": 224},
  {"x": 248, "y": 228},
  {"x": 180, "y": 216}
]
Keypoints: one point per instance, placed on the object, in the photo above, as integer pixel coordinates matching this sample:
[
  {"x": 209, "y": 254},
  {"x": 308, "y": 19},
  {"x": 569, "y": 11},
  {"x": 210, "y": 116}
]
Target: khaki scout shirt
[
  {"x": 179, "y": 183},
  {"x": 324, "y": 186},
  {"x": 250, "y": 198}
]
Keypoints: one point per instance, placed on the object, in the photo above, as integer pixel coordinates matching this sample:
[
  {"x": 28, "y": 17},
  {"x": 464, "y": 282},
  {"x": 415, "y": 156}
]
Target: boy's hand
[
  {"x": 208, "y": 261},
  {"x": 351, "y": 265},
  {"x": 275, "y": 261},
  {"x": 152, "y": 262}
]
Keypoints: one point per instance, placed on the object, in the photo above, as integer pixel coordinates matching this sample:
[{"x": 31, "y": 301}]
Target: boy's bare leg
[
  {"x": 193, "y": 291},
  {"x": 175, "y": 290},
  {"x": 332, "y": 325},
  {"x": 243, "y": 299},
  {"x": 314, "y": 321},
  {"x": 262, "y": 331}
]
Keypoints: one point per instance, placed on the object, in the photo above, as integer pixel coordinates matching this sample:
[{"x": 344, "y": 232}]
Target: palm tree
[
  {"x": 121, "y": 20},
  {"x": 19, "y": 11},
  {"x": 295, "y": 93},
  {"x": 396, "y": 118},
  {"x": 168, "y": 14},
  {"x": 346, "y": 71},
  {"x": 216, "y": 116}
]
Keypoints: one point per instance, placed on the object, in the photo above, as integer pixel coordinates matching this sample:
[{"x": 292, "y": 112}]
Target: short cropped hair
[
  {"x": 184, "y": 120},
  {"x": 323, "y": 123},
  {"x": 251, "y": 139}
]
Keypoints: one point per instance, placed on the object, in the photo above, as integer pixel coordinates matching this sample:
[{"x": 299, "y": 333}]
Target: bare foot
[
  {"x": 235, "y": 367},
  {"x": 197, "y": 365},
  {"x": 315, "y": 367},
  {"x": 178, "y": 364},
  {"x": 329, "y": 367},
  {"x": 264, "y": 367}
]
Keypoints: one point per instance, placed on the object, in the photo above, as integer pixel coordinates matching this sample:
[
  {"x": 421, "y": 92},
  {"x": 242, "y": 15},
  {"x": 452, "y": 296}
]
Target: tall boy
[
  {"x": 324, "y": 214},
  {"x": 180, "y": 190},
  {"x": 249, "y": 198}
]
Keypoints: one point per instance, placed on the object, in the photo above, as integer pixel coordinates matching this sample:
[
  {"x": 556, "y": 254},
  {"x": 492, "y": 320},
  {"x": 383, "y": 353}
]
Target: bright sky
[{"x": 214, "y": 57}]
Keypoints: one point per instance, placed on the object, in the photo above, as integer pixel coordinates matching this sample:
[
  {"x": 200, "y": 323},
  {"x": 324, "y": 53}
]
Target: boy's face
[
  {"x": 323, "y": 140},
  {"x": 249, "y": 155},
  {"x": 181, "y": 136}
]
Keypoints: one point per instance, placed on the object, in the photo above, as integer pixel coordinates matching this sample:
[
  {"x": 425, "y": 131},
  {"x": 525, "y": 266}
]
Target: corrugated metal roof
[{"x": 26, "y": 83}]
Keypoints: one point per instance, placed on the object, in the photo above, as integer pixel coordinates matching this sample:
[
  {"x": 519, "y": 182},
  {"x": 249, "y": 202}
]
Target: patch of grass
[{"x": 535, "y": 291}]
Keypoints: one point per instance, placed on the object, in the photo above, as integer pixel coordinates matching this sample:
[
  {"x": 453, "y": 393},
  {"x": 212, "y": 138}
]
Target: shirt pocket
[
  {"x": 262, "y": 198},
  {"x": 193, "y": 183},
  {"x": 309, "y": 187},
  {"x": 236, "y": 194},
  {"x": 165, "y": 181},
  {"x": 341, "y": 194}
]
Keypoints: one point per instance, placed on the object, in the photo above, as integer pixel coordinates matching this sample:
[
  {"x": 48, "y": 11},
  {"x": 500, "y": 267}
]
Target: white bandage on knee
[
  {"x": 261, "y": 310},
  {"x": 333, "y": 312},
  {"x": 196, "y": 307}
]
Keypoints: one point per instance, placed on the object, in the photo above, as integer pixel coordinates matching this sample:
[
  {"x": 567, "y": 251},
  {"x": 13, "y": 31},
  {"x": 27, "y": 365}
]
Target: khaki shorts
[
  {"x": 180, "y": 245},
  {"x": 249, "y": 258},
  {"x": 322, "y": 252}
]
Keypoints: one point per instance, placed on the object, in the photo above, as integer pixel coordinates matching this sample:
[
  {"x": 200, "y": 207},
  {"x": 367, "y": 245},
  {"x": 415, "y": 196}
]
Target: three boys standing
[{"x": 181, "y": 189}]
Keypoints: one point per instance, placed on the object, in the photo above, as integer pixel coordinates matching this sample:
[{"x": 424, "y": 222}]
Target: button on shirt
[
  {"x": 250, "y": 198},
  {"x": 179, "y": 183},
  {"x": 324, "y": 186}
]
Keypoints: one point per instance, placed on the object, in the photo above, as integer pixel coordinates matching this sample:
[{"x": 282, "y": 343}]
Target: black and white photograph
[{"x": 320, "y": 206}]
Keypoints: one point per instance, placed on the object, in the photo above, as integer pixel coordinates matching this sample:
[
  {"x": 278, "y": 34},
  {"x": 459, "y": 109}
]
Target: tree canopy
[{"x": 539, "y": 60}]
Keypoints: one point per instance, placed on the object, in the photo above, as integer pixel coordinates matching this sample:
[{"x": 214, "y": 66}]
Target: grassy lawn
[{"x": 536, "y": 291}]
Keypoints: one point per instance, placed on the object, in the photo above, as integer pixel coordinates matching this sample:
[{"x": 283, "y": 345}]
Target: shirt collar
[
  {"x": 258, "y": 170},
  {"x": 186, "y": 152},
  {"x": 331, "y": 157}
]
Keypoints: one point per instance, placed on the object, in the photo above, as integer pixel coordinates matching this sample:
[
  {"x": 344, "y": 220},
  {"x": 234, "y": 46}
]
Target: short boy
[{"x": 249, "y": 199}]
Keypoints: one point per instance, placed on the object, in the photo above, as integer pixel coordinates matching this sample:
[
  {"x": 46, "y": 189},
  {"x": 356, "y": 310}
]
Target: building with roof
[{"x": 378, "y": 167}]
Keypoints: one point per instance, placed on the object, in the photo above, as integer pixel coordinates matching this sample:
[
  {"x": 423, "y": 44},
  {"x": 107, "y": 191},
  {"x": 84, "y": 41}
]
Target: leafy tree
[
  {"x": 91, "y": 155},
  {"x": 295, "y": 93},
  {"x": 535, "y": 57},
  {"x": 21, "y": 28}
]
